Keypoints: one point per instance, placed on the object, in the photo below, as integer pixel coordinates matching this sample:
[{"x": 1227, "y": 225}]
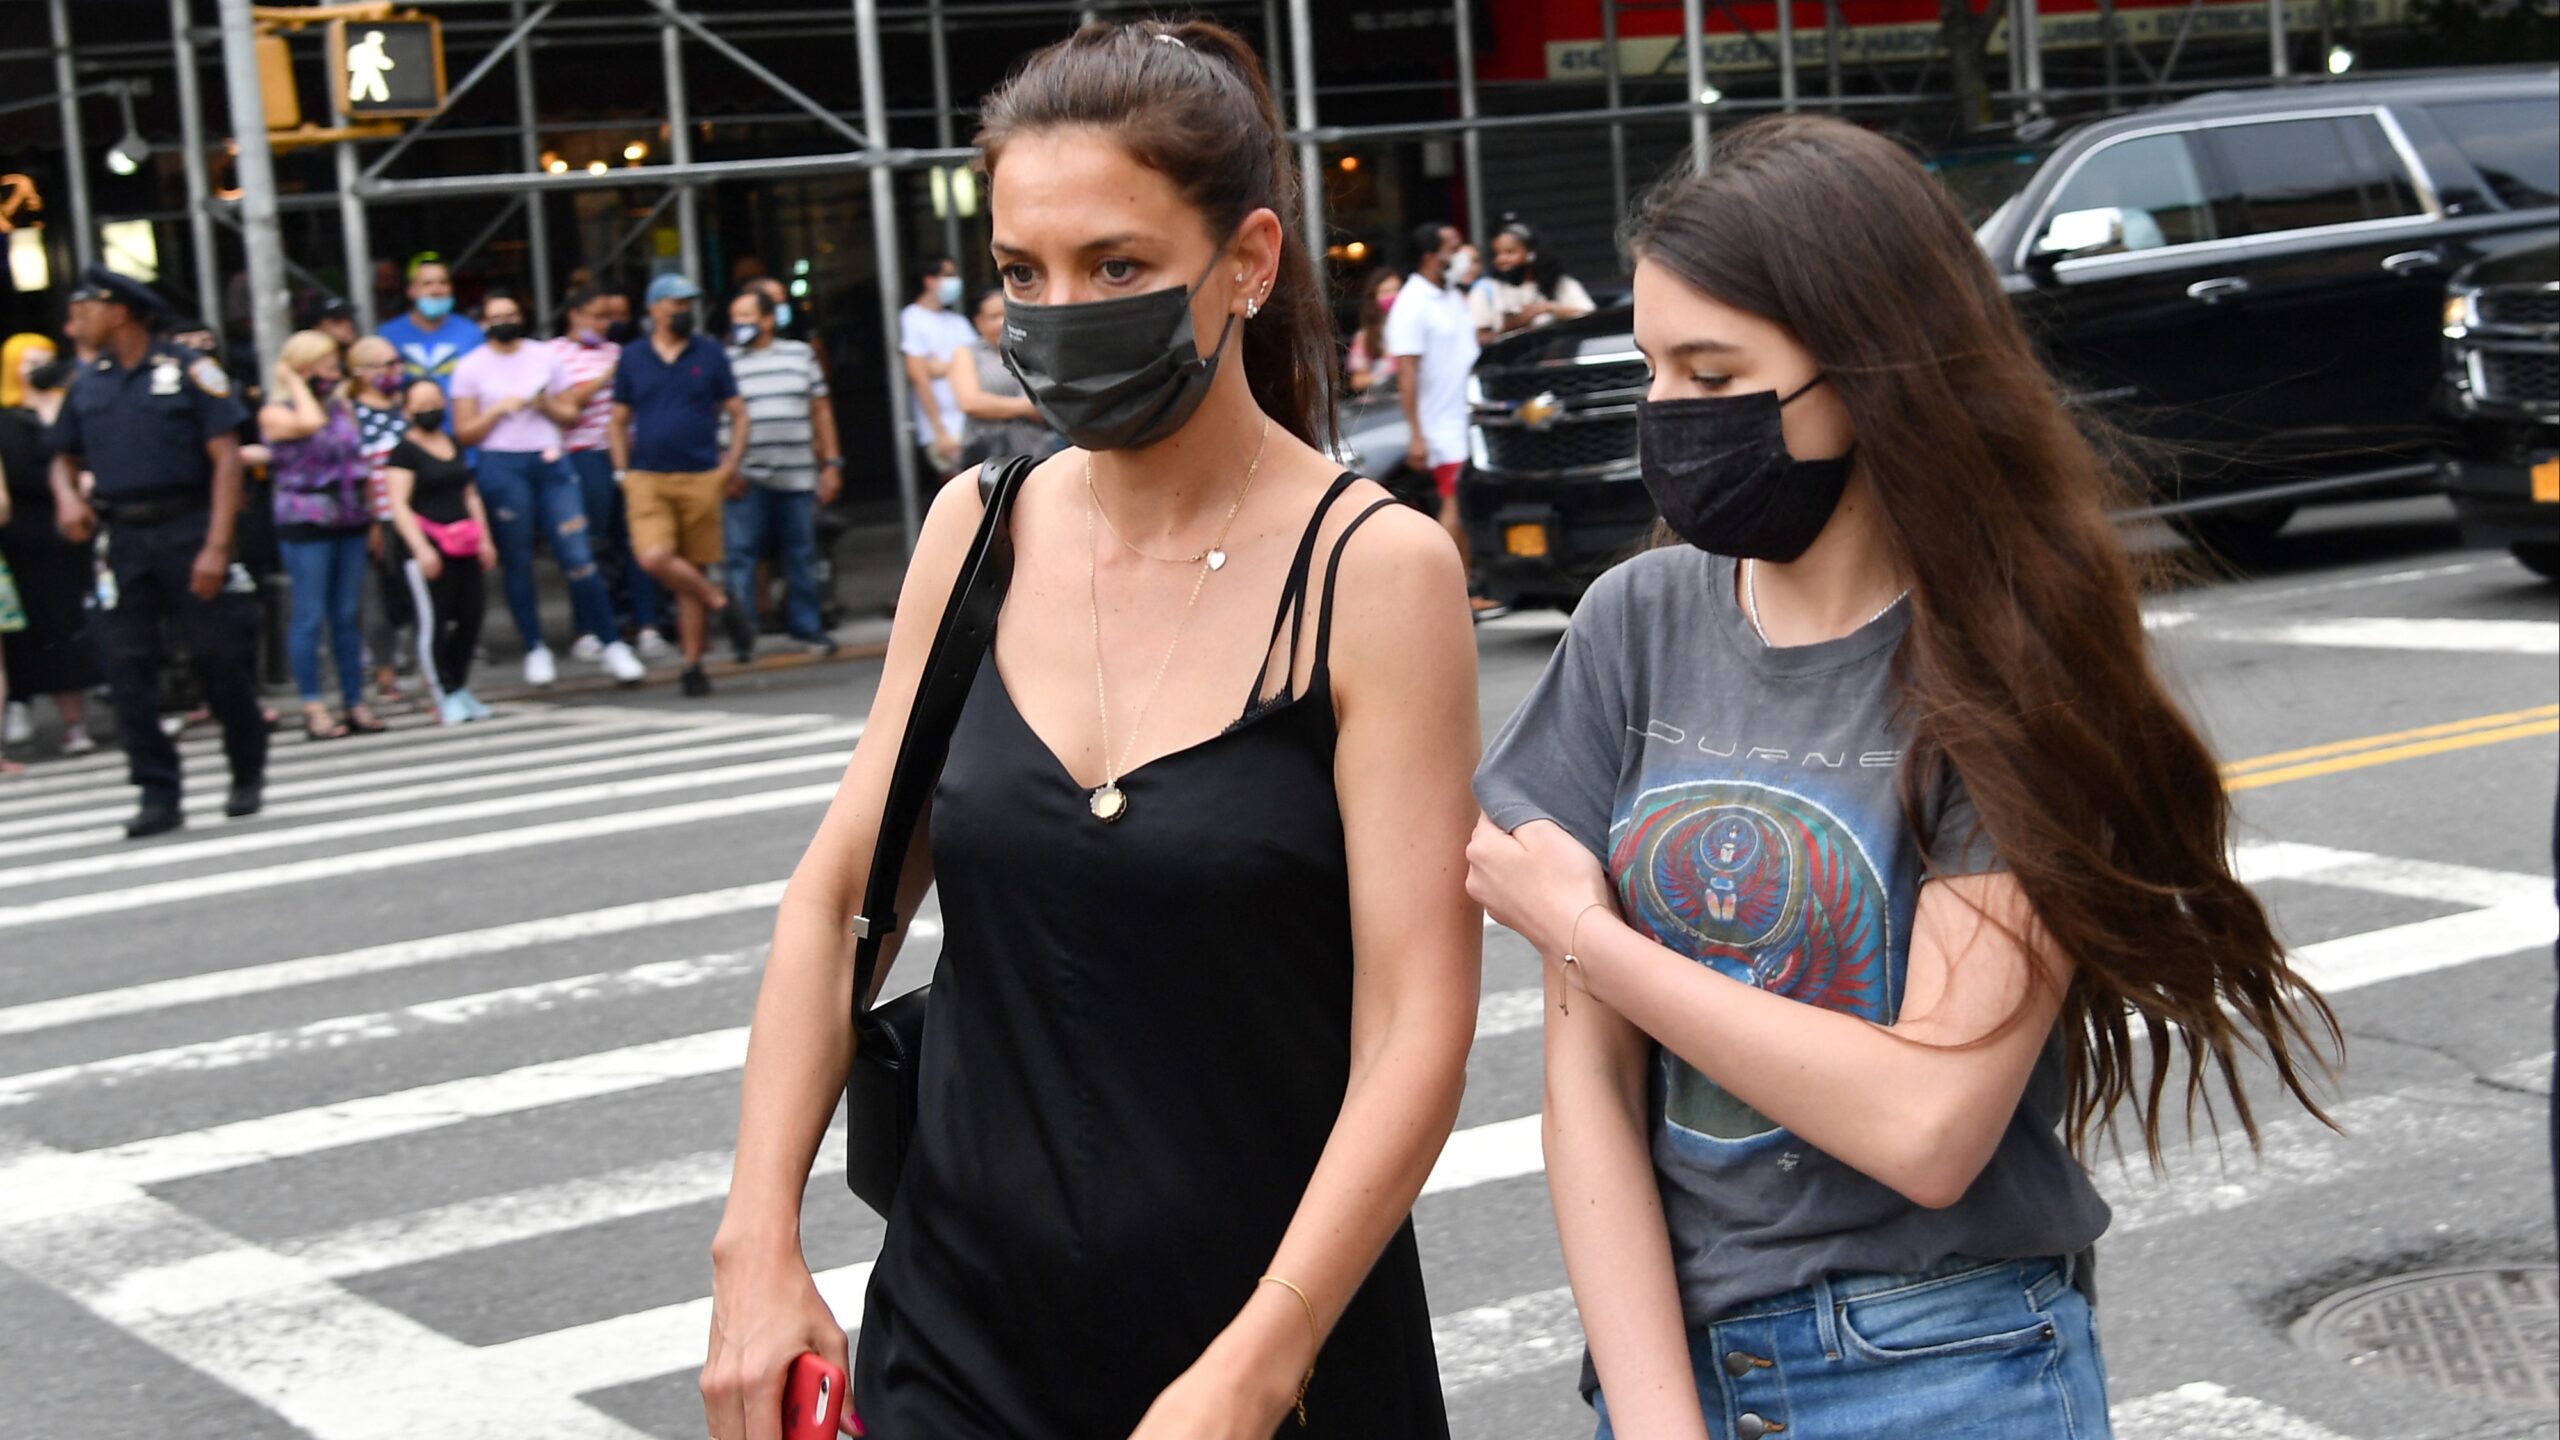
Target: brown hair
[
  {"x": 1198, "y": 113},
  {"x": 2025, "y": 670}
]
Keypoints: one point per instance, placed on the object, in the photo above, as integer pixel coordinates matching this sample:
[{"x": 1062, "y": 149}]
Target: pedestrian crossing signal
[{"x": 387, "y": 69}]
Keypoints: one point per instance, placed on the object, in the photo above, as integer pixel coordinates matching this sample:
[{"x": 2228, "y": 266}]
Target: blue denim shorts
[{"x": 2007, "y": 1350}]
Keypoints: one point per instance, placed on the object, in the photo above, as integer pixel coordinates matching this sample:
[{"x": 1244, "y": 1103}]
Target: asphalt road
[{"x": 403, "y": 1109}]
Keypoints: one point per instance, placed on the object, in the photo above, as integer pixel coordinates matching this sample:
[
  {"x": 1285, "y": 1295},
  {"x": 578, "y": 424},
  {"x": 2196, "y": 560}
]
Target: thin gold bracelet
[
  {"x": 1312, "y": 1333},
  {"x": 1569, "y": 962}
]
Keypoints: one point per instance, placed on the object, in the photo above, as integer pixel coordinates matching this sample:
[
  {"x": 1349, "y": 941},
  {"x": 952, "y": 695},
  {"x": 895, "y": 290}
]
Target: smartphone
[{"x": 812, "y": 1399}]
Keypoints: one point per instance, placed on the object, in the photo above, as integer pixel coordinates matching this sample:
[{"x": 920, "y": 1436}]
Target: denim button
[
  {"x": 1749, "y": 1426},
  {"x": 1738, "y": 1363}
]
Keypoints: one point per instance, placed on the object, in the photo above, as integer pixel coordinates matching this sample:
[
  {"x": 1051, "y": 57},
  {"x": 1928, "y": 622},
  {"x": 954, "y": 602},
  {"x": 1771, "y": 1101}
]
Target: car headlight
[{"x": 2457, "y": 314}]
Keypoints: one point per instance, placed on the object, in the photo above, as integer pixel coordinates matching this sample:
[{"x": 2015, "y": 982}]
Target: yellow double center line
[{"x": 2338, "y": 755}]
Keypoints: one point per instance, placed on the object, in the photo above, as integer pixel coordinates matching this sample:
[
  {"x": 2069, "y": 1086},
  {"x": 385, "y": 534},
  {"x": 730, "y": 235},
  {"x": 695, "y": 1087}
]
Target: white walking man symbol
[{"x": 366, "y": 62}]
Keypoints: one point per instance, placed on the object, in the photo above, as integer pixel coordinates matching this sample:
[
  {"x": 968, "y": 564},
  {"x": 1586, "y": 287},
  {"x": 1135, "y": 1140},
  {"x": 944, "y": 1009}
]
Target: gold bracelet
[
  {"x": 1570, "y": 962},
  {"x": 1312, "y": 1333}
]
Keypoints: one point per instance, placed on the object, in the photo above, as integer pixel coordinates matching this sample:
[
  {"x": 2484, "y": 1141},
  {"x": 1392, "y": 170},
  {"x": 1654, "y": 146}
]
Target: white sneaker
[
  {"x": 624, "y": 666},
  {"x": 76, "y": 741},
  {"x": 539, "y": 667},
  {"x": 20, "y": 727},
  {"x": 588, "y": 649},
  {"x": 654, "y": 646}
]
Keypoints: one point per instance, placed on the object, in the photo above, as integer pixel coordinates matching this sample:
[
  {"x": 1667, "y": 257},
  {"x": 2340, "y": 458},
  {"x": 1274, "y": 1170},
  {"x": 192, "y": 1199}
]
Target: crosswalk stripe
[
  {"x": 105, "y": 770},
  {"x": 627, "y": 1349},
  {"x": 211, "y": 985},
  {"x": 2436, "y": 635},
  {"x": 366, "y": 826},
  {"x": 2206, "y": 1411},
  {"x": 378, "y": 779},
  {"x": 491, "y": 842}
]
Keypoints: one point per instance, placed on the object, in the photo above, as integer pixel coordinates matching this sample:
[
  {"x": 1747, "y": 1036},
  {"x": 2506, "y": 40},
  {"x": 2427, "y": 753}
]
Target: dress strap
[
  {"x": 1292, "y": 612},
  {"x": 1332, "y": 571}
]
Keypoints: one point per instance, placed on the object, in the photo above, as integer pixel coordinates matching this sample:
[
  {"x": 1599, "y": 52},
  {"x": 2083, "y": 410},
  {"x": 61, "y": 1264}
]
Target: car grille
[
  {"x": 1568, "y": 445},
  {"x": 1565, "y": 382},
  {"x": 2523, "y": 305},
  {"x": 2520, "y": 377}
]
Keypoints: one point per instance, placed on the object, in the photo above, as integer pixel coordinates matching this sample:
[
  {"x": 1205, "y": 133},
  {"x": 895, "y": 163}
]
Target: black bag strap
[{"x": 959, "y": 648}]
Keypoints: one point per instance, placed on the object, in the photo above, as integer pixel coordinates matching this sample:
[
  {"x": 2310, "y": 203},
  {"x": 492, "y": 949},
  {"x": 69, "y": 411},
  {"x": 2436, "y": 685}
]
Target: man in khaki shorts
[{"x": 670, "y": 392}]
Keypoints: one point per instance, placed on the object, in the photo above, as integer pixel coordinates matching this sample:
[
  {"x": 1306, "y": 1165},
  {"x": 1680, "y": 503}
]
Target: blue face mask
[
  {"x": 743, "y": 336},
  {"x": 435, "y": 307},
  {"x": 782, "y": 316},
  {"x": 949, "y": 291}
]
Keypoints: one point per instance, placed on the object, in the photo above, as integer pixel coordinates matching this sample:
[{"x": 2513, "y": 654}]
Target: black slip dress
[{"x": 1137, "y": 1045}]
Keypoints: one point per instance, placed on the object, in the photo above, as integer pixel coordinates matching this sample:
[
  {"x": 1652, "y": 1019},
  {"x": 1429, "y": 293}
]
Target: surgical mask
[
  {"x": 1462, "y": 268},
  {"x": 948, "y": 290},
  {"x": 743, "y": 336},
  {"x": 51, "y": 375},
  {"x": 782, "y": 316},
  {"x": 321, "y": 385},
  {"x": 427, "y": 421},
  {"x": 680, "y": 324},
  {"x": 507, "y": 332},
  {"x": 1719, "y": 471},
  {"x": 587, "y": 337},
  {"x": 435, "y": 307},
  {"x": 1114, "y": 374}
]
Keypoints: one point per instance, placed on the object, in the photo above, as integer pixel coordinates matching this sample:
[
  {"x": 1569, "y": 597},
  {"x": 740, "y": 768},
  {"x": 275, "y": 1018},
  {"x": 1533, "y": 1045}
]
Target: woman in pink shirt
[{"x": 510, "y": 398}]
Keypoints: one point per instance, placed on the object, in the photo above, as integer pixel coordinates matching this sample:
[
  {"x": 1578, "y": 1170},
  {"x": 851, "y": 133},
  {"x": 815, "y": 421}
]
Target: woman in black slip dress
[{"x": 1208, "y": 976}]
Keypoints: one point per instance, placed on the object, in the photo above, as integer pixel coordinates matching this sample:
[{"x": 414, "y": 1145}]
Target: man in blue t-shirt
[
  {"x": 670, "y": 393},
  {"x": 428, "y": 335}
]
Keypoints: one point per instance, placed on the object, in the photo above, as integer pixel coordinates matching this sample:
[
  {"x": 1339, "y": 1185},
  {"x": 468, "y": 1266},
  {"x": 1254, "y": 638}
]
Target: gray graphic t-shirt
[{"x": 1747, "y": 803}]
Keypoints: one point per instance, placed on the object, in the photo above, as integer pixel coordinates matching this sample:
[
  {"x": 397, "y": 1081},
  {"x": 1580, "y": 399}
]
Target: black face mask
[
  {"x": 507, "y": 332},
  {"x": 427, "y": 422},
  {"x": 680, "y": 324},
  {"x": 1511, "y": 274},
  {"x": 621, "y": 332},
  {"x": 51, "y": 375},
  {"x": 1719, "y": 471},
  {"x": 1114, "y": 374}
]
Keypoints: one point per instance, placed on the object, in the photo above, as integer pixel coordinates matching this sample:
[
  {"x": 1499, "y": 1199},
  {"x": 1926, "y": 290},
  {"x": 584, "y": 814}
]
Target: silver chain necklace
[{"x": 1751, "y": 604}]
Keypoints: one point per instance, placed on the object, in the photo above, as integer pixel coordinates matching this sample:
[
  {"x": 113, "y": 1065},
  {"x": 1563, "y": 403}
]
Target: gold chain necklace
[
  {"x": 1108, "y": 801},
  {"x": 1215, "y": 557}
]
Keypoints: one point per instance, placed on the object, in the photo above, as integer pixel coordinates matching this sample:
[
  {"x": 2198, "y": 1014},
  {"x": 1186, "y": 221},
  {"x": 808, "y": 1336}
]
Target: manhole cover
[{"x": 2479, "y": 1331}]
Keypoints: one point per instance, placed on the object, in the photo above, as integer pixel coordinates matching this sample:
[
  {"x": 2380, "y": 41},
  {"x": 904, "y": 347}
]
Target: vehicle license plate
[{"x": 1530, "y": 541}]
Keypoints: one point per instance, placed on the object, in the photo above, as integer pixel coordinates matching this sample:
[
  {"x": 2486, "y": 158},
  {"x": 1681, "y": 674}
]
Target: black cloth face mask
[
  {"x": 1114, "y": 374},
  {"x": 1718, "y": 470},
  {"x": 506, "y": 332}
]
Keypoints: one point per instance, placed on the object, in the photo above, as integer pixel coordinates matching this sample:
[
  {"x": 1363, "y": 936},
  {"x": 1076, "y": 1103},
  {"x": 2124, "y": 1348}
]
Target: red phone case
[{"x": 812, "y": 1399}]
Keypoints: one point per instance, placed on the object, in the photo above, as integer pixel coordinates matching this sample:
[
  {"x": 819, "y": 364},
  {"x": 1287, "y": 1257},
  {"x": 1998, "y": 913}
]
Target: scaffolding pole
[
  {"x": 1614, "y": 88},
  {"x": 1787, "y": 55},
  {"x": 1471, "y": 144},
  {"x": 199, "y": 185},
  {"x": 2026, "y": 35},
  {"x": 884, "y": 244},
  {"x": 942, "y": 129},
  {"x": 259, "y": 233},
  {"x": 1831, "y": 51},
  {"x": 537, "y": 234},
  {"x": 680, "y": 146},
  {"x": 75, "y": 149},
  {"x": 1693, "y": 44},
  {"x": 355, "y": 236},
  {"x": 1302, "y": 50},
  {"x": 2279, "y": 63}
]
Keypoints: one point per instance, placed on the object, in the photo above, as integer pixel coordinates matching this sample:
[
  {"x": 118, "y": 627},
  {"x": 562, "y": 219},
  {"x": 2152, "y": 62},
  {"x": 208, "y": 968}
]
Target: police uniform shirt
[{"x": 142, "y": 431}]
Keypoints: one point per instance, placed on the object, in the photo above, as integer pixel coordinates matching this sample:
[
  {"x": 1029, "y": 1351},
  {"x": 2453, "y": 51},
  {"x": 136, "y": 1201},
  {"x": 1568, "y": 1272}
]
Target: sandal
[
  {"x": 362, "y": 721},
  {"x": 319, "y": 724}
]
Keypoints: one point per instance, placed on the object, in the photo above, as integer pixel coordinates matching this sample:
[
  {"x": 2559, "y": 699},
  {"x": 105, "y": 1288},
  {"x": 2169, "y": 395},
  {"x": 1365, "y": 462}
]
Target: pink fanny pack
[{"x": 459, "y": 539}]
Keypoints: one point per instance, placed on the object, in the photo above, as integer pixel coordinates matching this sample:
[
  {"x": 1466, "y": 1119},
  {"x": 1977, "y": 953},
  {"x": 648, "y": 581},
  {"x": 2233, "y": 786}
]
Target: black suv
[
  {"x": 2502, "y": 386},
  {"x": 2254, "y": 279}
]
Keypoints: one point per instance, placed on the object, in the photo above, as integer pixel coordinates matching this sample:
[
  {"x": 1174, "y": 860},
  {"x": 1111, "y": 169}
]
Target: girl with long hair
[
  {"x": 1863, "y": 840},
  {"x": 1209, "y": 972},
  {"x": 1368, "y": 362}
]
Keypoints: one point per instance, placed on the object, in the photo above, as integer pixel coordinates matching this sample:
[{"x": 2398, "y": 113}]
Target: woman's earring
[{"x": 1252, "y": 308}]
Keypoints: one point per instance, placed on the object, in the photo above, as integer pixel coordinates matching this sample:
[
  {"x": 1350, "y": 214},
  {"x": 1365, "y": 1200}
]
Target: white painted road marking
[
  {"x": 2205, "y": 1411},
  {"x": 2435, "y": 636}
]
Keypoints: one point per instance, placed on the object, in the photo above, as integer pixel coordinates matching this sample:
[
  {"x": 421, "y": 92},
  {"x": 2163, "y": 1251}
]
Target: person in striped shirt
[
  {"x": 793, "y": 465},
  {"x": 588, "y": 351}
]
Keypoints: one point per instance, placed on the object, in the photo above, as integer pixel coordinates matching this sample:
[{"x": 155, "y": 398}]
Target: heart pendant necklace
[{"x": 1108, "y": 801}]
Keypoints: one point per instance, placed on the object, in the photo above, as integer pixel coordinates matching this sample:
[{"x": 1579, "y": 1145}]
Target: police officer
[{"x": 155, "y": 424}]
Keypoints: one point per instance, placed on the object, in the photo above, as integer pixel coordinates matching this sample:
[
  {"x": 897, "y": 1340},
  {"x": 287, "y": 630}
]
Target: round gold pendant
[{"x": 1108, "y": 804}]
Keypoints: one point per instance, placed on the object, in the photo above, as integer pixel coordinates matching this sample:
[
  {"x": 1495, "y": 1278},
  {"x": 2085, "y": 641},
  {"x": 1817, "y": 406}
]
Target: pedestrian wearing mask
[
  {"x": 377, "y": 381},
  {"x": 1434, "y": 345},
  {"x": 54, "y": 655},
  {"x": 156, "y": 426},
  {"x": 672, "y": 394},
  {"x": 510, "y": 398},
  {"x": 589, "y": 353},
  {"x": 447, "y": 547},
  {"x": 792, "y": 467},
  {"x": 430, "y": 337},
  {"x": 1002, "y": 419},
  {"x": 1523, "y": 289},
  {"x": 931, "y": 330},
  {"x": 323, "y": 512},
  {"x": 1861, "y": 837},
  {"x": 1208, "y": 979}
]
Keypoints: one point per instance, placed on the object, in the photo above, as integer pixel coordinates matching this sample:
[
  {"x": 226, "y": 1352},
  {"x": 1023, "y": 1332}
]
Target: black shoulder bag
[{"x": 880, "y": 1093}]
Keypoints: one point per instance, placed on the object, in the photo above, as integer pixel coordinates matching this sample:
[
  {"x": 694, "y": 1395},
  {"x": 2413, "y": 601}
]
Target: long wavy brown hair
[
  {"x": 1198, "y": 113},
  {"x": 2025, "y": 670}
]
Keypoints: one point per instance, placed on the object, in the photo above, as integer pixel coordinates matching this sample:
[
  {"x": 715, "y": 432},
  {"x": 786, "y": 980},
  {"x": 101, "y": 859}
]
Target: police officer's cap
[{"x": 97, "y": 282}]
